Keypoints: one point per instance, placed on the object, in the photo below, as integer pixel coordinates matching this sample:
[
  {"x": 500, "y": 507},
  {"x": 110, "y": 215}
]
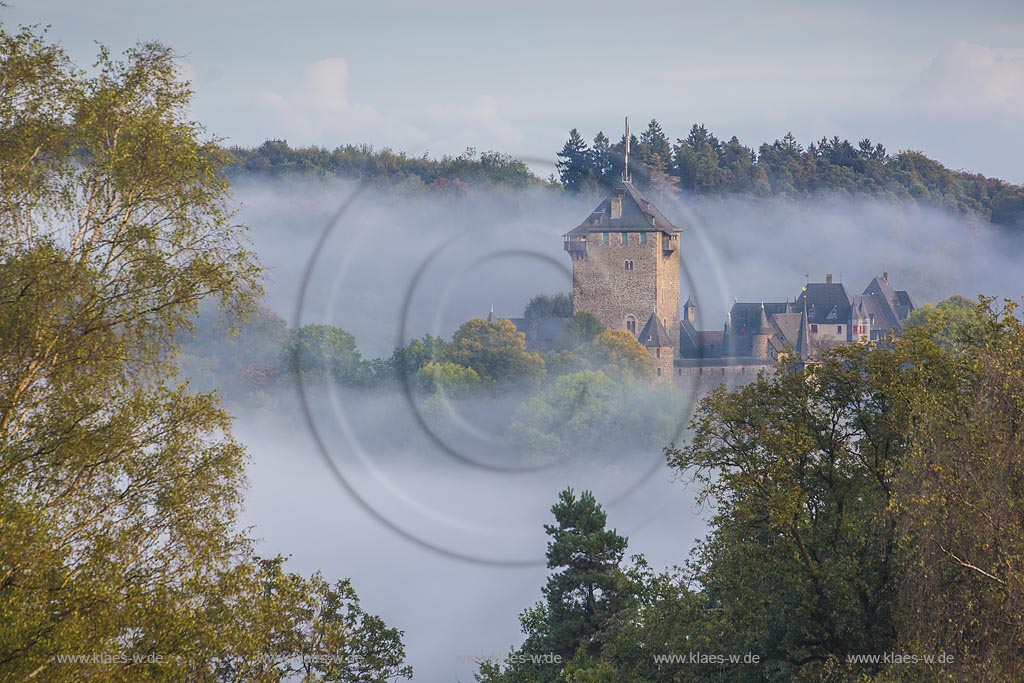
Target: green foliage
[
  {"x": 575, "y": 162},
  {"x": 496, "y": 352},
  {"x": 583, "y": 328},
  {"x": 587, "y": 412},
  {"x": 409, "y": 359},
  {"x": 620, "y": 356},
  {"x": 446, "y": 378},
  {"x": 323, "y": 352},
  {"x": 703, "y": 164},
  {"x": 239, "y": 359},
  {"x": 871, "y": 503},
  {"x": 275, "y": 159},
  {"x": 952, "y": 322},
  {"x": 801, "y": 470},
  {"x": 549, "y": 306},
  {"x": 119, "y": 488},
  {"x": 571, "y": 414},
  {"x": 588, "y": 587},
  {"x": 582, "y": 597},
  {"x": 961, "y": 507},
  {"x": 301, "y": 626}
]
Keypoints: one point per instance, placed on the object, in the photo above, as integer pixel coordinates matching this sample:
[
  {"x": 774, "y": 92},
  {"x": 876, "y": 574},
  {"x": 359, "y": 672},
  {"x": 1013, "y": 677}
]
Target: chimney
[
  {"x": 885, "y": 276},
  {"x": 828, "y": 278}
]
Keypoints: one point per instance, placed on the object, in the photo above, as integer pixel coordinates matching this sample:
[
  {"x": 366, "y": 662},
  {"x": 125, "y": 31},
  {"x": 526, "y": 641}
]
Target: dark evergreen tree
[
  {"x": 588, "y": 587},
  {"x": 603, "y": 160},
  {"x": 549, "y": 306},
  {"x": 574, "y": 166},
  {"x": 654, "y": 142}
]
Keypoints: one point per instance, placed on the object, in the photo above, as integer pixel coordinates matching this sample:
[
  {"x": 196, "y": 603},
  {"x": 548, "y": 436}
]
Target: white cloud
[
  {"x": 479, "y": 125},
  {"x": 318, "y": 110},
  {"x": 967, "y": 78}
]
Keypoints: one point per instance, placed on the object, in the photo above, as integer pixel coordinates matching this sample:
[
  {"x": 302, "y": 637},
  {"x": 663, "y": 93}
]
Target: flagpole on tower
[{"x": 625, "y": 173}]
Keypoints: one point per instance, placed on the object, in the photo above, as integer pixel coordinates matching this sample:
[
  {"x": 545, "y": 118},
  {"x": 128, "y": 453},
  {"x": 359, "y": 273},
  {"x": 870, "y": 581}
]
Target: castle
[{"x": 626, "y": 262}]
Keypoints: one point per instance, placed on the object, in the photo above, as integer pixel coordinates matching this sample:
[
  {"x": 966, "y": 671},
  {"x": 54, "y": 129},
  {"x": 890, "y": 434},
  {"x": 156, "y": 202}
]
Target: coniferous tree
[
  {"x": 589, "y": 587},
  {"x": 654, "y": 142},
  {"x": 575, "y": 162},
  {"x": 603, "y": 160}
]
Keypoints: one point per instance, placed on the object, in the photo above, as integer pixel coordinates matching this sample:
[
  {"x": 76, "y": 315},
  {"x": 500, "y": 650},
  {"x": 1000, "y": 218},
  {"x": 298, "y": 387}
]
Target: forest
[{"x": 699, "y": 164}]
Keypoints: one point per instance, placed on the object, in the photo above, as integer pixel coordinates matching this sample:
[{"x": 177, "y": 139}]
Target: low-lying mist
[{"x": 436, "y": 508}]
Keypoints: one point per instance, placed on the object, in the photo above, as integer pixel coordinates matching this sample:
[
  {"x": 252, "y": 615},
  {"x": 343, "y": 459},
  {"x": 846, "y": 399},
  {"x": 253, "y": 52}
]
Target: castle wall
[
  {"x": 668, "y": 266},
  {"x": 603, "y": 286},
  {"x": 664, "y": 362},
  {"x": 705, "y": 377}
]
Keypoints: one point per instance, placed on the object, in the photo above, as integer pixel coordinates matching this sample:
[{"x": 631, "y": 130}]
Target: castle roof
[
  {"x": 803, "y": 341},
  {"x": 654, "y": 333},
  {"x": 786, "y": 329},
  {"x": 637, "y": 214},
  {"x": 827, "y": 302},
  {"x": 892, "y": 307},
  {"x": 762, "y": 325}
]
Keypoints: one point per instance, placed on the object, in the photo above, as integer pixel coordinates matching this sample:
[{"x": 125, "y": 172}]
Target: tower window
[
  {"x": 659, "y": 371},
  {"x": 643, "y": 238},
  {"x": 814, "y": 329},
  {"x": 625, "y": 238},
  {"x": 631, "y": 324},
  {"x": 657, "y": 352},
  {"x": 606, "y": 237},
  {"x": 629, "y": 265},
  {"x": 839, "y": 329}
]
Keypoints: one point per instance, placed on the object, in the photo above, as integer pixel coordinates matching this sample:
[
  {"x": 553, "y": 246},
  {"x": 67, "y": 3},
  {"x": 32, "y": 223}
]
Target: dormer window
[{"x": 616, "y": 206}]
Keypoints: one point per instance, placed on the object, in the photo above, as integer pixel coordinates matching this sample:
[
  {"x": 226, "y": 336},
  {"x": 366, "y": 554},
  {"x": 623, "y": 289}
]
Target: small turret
[
  {"x": 761, "y": 336},
  {"x": 659, "y": 344}
]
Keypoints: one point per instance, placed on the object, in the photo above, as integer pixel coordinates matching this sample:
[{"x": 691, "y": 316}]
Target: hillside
[{"x": 701, "y": 163}]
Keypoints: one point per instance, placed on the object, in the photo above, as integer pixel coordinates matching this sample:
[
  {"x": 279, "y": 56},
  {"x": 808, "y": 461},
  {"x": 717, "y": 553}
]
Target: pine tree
[
  {"x": 574, "y": 169},
  {"x": 654, "y": 142},
  {"x": 603, "y": 160},
  {"x": 589, "y": 587}
]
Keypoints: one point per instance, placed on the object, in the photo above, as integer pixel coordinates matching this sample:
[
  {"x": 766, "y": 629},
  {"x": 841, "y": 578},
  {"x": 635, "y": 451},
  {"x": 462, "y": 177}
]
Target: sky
[{"x": 946, "y": 78}]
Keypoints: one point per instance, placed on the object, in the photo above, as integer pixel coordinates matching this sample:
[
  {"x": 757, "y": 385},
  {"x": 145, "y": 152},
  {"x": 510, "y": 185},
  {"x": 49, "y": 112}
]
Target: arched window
[{"x": 631, "y": 324}]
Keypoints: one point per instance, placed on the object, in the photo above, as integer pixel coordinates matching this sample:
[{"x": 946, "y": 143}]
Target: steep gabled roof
[
  {"x": 638, "y": 214},
  {"x": 654, "y": 333},
  {"x": 827, "y": 302},
  {"x": 886, "y": 301},
  {"x": 745, "y": 317},
  {"x": 787, "y": 329}
]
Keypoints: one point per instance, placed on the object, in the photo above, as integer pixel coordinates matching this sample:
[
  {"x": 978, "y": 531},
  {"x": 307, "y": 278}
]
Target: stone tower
[
  {"x": 625, "y": 263},
  {"x": 759, "y": 347}
]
